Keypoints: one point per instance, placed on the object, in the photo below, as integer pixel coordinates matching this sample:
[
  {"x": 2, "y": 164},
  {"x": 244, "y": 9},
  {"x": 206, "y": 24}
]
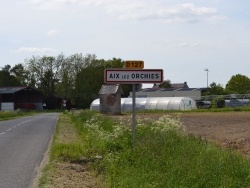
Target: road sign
[
  {"x": 134, "y": 64},
  {"x": 133, "y": 76}
]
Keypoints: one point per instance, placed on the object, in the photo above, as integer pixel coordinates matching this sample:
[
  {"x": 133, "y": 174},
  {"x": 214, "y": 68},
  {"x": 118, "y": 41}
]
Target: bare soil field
[{"x": 226, "y": 129}]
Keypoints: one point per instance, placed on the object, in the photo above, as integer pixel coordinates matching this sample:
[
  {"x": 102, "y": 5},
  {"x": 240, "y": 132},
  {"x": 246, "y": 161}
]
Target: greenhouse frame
[{"x": 152, "y": 103}]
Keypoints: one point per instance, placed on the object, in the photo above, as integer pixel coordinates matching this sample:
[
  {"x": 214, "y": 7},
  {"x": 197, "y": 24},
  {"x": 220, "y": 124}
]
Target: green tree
[
  {"x": 20, "y": 73},
  {"x": 88, "y": 85},
  {"x": 91, "y": 78},
  {"x": 70, "y": 68},
  {"x": 77, "y": 78},
  {"x": 7, "y": 79},
  {"x": 215, "y": 89},
  {"x": 238, "y": 84},
  {"x": 165, "y": 84},
  {"x": 218, "y": 102},
  {"x": 45, "y": 72}
]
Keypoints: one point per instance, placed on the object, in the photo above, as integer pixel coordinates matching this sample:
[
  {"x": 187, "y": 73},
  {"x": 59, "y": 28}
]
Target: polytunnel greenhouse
[{"x": 152, "y": 103}]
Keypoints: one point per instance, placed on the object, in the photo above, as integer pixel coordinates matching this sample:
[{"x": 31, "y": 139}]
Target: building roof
[
  {"x": 179, "y": 85},
  {"x": 11, "y": 90},
  {"x": 7, "y": 90},
  {"x": 174, "y": 85},
  {"x": 169, "y": 89},
  {"x": 111, "y": 89}
]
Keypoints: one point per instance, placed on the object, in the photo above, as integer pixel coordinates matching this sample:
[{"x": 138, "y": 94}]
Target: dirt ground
[{"x": 227, "y": 129}]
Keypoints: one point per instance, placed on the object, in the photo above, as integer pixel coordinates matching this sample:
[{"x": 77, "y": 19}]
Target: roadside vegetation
[
  {"x": 161, "y": 156},
  {"x": 225, "y": 109},
  {"x": 5, "y": 115},
  {"x": 212, "y": 109}
]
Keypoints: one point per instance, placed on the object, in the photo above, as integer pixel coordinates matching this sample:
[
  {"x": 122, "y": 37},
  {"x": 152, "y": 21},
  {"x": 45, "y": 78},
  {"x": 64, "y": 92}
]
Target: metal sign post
[{"x": 133, "y": 115}]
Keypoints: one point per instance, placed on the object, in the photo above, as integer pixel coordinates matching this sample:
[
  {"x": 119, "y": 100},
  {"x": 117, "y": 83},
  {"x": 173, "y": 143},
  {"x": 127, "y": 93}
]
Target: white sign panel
[
  {"x": 7, "y": 106},
  {"x": 130, "y": 76}
]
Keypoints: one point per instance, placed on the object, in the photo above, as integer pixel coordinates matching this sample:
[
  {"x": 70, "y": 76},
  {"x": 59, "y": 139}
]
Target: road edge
[{"x": 44, "y": 162}]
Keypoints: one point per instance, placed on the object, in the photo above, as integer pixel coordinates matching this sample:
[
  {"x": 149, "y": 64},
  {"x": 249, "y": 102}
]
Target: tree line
[
  {"x": 238, "y": 84},
  {"x": 76, "y": 78}
]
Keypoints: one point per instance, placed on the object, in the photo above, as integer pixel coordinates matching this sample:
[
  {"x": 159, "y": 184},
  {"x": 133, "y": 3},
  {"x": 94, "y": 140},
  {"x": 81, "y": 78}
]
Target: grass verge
[
  {"x": 63, "y": 169},
  {"x": 5, "y": 115},
  {"x": 162, "y": 155}
]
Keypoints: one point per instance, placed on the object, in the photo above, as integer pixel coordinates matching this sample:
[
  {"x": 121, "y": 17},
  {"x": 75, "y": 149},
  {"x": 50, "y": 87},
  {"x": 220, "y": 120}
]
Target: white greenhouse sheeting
[{"x": 152, "y": 103}]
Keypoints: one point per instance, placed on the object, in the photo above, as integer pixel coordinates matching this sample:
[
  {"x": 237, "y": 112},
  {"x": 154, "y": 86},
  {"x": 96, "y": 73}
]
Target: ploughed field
[{"x": 226, "y": 129}]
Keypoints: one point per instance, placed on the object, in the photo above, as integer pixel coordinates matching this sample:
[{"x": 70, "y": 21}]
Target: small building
[
  {"x": 179, "y": 85},
  {"x": 194, "y": 93},
  {"x": 175, "y": 90},
  {"x": 110, "y": 99},
  {"x": 174, "y": 85},
  {"x": 23, "y": 97}
]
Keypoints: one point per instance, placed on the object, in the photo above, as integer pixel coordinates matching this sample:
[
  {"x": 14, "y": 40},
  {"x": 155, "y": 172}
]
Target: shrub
[{"x": 218, "y": 102}]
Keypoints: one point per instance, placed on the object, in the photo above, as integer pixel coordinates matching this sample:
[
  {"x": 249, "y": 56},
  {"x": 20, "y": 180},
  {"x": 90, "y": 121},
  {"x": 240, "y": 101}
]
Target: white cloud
[
  {"x": 142, "y": 10},
  {"x": 52, "y": 33},
  {"x": 216, "y": 19},
  {"x": 186, "y": 44},
  {"x": 34, "y": 50},
  {"x": 185, "y": 13}
]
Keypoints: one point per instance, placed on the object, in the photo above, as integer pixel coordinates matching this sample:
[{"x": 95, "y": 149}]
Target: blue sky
[{"x": 180, "y": 37}]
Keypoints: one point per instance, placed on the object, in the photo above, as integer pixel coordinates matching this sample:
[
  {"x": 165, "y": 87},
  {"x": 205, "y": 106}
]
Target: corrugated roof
[
  {"x": 9, "y": 90},
  {"x": 111, "y": 89},
  {"x": 169, "y": 89},
  {"x": 179, "y": 85}
]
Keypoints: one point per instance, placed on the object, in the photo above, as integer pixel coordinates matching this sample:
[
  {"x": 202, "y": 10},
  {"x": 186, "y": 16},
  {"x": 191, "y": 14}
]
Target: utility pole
[{"x": 206, "y": 69}]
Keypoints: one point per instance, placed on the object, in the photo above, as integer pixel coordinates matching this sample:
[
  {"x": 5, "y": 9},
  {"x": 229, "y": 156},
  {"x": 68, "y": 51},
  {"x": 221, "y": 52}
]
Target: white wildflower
[{"x": 166, "y": 123}]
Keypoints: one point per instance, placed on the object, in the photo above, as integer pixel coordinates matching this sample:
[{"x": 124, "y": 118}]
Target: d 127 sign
[{"x": 134, "y": 64}]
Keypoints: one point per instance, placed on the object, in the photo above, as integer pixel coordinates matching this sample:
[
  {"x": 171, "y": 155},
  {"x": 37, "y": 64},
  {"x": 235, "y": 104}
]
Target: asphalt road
[{"x": 23, "y": 143}]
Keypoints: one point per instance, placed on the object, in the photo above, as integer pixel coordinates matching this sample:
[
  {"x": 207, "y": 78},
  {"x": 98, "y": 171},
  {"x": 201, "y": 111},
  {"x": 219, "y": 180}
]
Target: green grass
[
  {"x": 175, "y": 161},
  {"x": 44, "y": 180},
  {"x": 5, "y": 115},
  {"x": 162, "y": 156},
  {"x": 225, "y": 109}
]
